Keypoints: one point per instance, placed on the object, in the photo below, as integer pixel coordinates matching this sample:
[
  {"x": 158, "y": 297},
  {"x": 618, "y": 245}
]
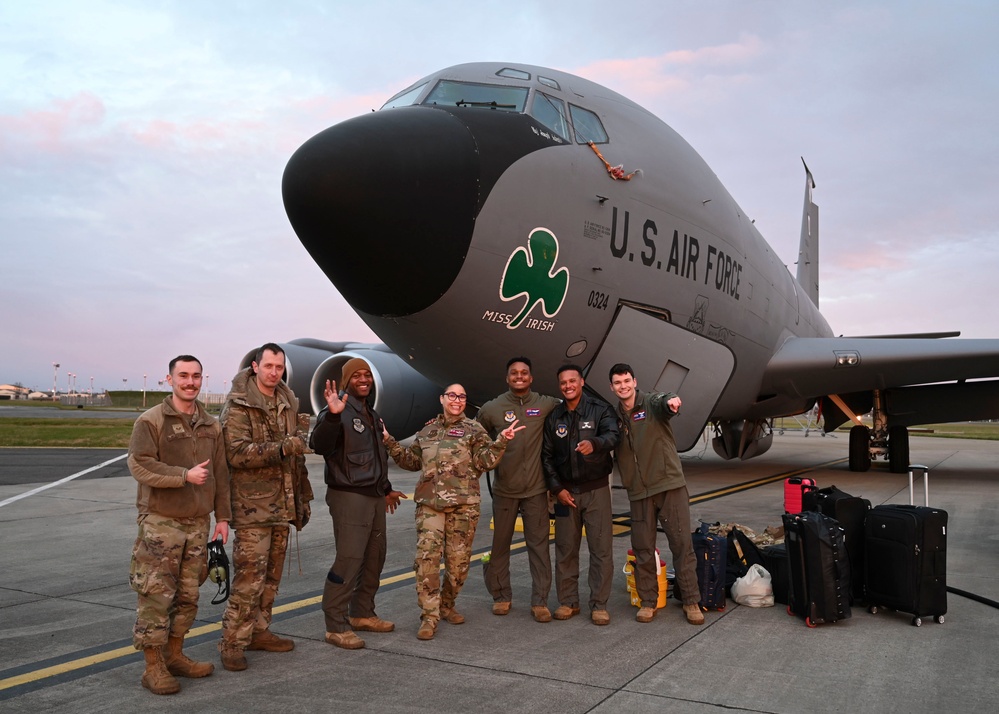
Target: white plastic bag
[{"x": 754, "y": 588}]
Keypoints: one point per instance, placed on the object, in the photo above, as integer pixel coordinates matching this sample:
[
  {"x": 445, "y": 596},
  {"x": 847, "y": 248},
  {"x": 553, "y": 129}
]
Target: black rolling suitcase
[
  {"x": 819, "y": 572},
  {"x": 851, "y": 513},
  {"x": 907, "y": 560}
]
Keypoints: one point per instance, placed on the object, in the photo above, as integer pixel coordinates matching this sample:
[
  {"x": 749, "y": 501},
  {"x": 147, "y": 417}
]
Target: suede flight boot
[
  {"x": 180, "y": 665},
  {"x": 157, "y": 679}
]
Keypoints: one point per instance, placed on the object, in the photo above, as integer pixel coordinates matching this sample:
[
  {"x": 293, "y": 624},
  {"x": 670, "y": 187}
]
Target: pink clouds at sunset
[{"x": 142, "y": 151}]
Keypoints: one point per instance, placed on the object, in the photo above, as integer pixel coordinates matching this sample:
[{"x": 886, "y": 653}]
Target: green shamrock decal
[{"x": 530, "y": 272}]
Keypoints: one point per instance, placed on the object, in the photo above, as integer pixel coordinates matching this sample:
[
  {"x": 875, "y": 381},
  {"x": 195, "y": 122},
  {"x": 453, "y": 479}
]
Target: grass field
[{"x": 80, "y": 433}]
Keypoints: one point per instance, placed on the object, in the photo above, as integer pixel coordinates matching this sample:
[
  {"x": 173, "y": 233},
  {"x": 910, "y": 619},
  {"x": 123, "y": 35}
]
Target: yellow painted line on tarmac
[
  {"x": 760, "y": 482},
  {"x": 119, "y": 652}
]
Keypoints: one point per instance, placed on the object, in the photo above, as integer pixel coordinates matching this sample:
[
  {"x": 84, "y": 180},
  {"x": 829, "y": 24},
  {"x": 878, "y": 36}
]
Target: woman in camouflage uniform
[{"x": 452, "y": 451}]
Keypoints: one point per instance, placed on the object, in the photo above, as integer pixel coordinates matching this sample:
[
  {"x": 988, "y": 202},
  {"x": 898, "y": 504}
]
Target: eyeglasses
[{"x": 455, "y": 397}]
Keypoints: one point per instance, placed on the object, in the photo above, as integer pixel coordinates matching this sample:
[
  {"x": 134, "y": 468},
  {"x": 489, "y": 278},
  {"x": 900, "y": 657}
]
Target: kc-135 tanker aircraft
[{"x": 492, "y": 210}]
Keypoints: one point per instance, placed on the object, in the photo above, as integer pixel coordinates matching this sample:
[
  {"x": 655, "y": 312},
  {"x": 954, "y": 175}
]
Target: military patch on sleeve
[
  {"x": 533, "y": 412},
  {"x": 358, "y": 425},
  {"x": 638, "y": 416},
  {"x": 561, "y": 431},
  {"x": 509, "y": 416},
  {"x": 456, "y": 431}
]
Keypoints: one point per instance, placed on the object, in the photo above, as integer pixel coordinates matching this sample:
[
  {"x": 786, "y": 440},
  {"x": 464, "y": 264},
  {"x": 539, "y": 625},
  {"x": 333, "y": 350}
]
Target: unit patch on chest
[
  {"x": 509, "y": 416},
  {"x": 456, "y": 432},
  {"x": 358, "y": 425},
  {"x": 638, "y": 416},
  {"x": 561, "y": 431},
  {"x": 533, "y": 412}
]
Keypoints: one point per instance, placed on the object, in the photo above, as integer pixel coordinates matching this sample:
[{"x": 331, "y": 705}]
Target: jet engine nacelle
[
  {"x": 742, "y": 439},
  {"x": 403, "y": 397}
]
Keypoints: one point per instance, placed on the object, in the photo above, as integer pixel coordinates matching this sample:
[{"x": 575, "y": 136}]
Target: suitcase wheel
[
  {"x": 809, "y": 623},
  {"x": 939, "y": 619},
  {"x": 873, "y": 609},
  {"x": 790, "y": 611},
  {"x": 917, "y": 621}
]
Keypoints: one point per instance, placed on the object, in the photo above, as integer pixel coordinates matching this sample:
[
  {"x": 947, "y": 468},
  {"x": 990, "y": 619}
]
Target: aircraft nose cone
[{"x": 385, "y": 204}]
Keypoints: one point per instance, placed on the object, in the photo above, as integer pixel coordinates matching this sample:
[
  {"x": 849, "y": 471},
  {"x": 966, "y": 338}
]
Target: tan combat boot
[
  {"x": 156, "y": 678},
  {"x": 232, "y": 657},
  {"x": 180, "y": 665}
]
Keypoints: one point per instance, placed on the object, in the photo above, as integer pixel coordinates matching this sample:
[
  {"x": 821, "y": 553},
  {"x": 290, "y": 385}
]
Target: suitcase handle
[{"x": 926, "y": 484}]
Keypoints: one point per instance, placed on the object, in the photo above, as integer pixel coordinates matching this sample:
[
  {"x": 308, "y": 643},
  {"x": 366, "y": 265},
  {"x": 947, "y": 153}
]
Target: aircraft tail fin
[{"x": 808, "y": 248}]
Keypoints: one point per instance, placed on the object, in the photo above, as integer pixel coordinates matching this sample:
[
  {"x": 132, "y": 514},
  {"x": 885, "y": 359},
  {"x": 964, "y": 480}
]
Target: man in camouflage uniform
[
  {"x": 177, "y": 456},
  {"x": 453, "y": 451},
  {"x": 265, "y": 439},
  {"x": 520, "y": 487}
]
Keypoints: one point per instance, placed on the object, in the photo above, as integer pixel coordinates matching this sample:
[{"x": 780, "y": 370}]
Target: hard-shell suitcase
[
  {"x": 794, "y": 489},
  {"x": 851, "y": 513},
  {"x": 710, "y": 551},
  {"x": 819, "y": 568},
  {"x": 907, "y": 560}
]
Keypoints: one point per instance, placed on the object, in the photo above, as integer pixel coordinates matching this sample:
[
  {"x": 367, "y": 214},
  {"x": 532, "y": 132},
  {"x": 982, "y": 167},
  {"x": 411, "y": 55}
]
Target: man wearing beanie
[{"x": 348, "y": 434}]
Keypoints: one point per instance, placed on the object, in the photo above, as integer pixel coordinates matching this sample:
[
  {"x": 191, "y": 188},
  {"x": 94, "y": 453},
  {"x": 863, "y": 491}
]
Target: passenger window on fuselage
[
  {"x": 588, "y": 126},
  {"x": 484, "y": 96},
  {"x": 550, "y": 112}
]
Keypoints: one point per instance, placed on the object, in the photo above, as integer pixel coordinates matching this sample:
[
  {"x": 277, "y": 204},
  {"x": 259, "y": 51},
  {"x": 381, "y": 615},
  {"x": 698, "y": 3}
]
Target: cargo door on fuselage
[{"x": 665, "y": 358}]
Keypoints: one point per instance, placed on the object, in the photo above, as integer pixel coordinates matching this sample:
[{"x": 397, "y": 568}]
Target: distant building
[{"x": 13, "y": 391}]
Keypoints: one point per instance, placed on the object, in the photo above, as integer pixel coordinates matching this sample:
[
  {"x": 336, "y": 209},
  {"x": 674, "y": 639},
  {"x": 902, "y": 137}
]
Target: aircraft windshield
[
  {"x": 406, "y": 98},
  {"x": 484, "y": 96}
]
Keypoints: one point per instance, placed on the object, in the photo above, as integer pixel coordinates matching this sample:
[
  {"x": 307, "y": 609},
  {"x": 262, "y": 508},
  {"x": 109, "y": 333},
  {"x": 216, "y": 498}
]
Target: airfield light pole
[
  {"x": 207, "y": 394},
  {"x": 143, "y": 391},
  {"x": 91, "y": 386},
  {"x": 55, "y": 379}
]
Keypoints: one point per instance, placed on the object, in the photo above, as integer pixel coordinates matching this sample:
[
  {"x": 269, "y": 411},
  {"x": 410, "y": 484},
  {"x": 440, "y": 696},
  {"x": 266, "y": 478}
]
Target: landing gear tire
[
  {"x": 898, "y": 449},
  {"x": 860, "y": 448}
]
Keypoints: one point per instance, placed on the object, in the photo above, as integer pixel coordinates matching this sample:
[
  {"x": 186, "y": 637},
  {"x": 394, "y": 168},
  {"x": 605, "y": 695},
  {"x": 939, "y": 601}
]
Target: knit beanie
[{"x": 351, "y": 366}]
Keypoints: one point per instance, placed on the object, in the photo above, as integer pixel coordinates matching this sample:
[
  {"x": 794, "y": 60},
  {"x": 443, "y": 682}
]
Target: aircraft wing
[{"x": 925, "y": 379}]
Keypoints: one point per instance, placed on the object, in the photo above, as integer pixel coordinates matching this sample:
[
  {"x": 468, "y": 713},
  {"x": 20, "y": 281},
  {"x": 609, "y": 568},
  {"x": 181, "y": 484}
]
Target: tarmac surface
[{"x": 66, "y": 611}]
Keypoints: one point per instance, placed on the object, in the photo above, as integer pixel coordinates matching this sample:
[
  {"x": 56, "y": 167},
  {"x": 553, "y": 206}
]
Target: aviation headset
[{"x": 218, "y": 570}]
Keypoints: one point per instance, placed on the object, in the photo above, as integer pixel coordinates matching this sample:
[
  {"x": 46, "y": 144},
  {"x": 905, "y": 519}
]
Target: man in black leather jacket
[
  {"x": 576, "y": 453},
  {"x": 348, "y": 434}
]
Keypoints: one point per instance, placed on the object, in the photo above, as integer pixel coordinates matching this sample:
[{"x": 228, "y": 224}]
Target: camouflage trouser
[
  {"x": 257, "y": 559},
  {"x": 169, "y": 562},
  {"x": 446, "y": 534}
]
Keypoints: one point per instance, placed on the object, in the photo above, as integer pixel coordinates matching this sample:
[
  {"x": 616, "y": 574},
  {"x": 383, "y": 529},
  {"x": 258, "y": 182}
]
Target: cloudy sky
[{"x": 142, "y": 146}]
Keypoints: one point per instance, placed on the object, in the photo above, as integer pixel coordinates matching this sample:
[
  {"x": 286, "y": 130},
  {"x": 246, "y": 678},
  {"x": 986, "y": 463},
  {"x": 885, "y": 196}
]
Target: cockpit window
[
  {"x": 550, "y": 112},
  {"x": 484, "y": 96},
  {"x": 513, "y": 73},
  {"x": 405, "y": 99},
  {"x": 588, "y": 126},
  {"x": 548, "y": 82}
]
